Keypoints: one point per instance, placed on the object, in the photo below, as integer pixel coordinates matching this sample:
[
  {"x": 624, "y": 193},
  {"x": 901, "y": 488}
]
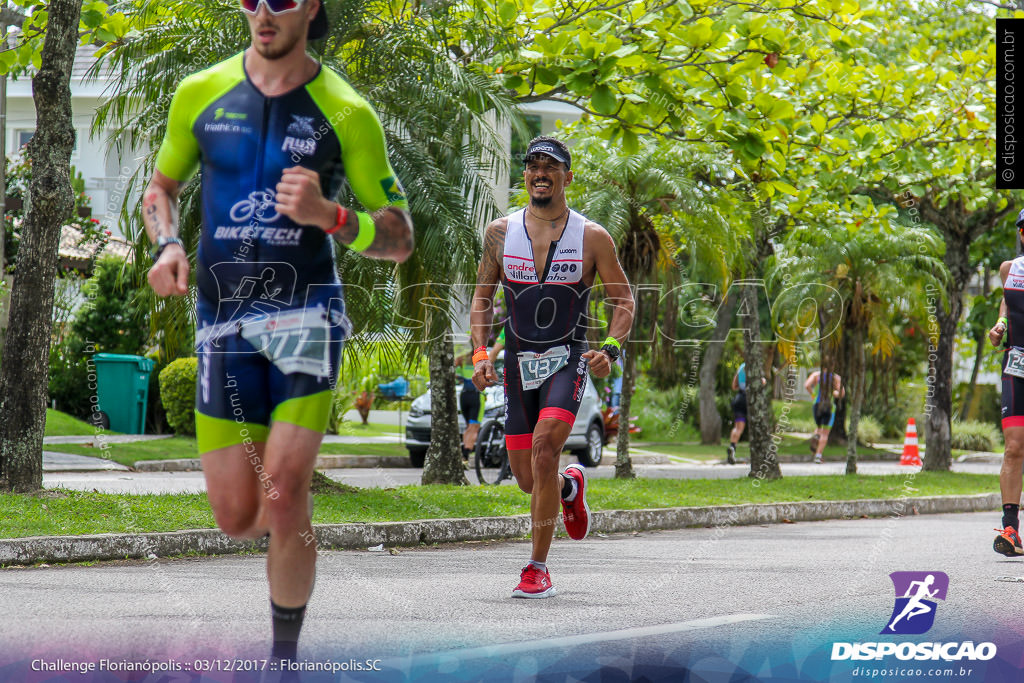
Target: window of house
[{"x": 23, "y": 135}]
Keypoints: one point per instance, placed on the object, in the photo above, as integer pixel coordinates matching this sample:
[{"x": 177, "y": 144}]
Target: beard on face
[
  {"x": 540, "y": 202},
  {"x": 271, "y": 52}
]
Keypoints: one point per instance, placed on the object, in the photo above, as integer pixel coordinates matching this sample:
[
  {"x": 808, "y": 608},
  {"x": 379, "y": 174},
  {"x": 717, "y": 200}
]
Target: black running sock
[
  {"x": 566, "y": 486},
  {"x": 287, "y": 624},
  {"x": 732, "y": 445},
  {"x": 1011, "y": 515}
]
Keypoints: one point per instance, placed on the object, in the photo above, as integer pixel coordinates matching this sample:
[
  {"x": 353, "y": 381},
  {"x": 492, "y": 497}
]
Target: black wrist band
[
  {"x": 161, "y": 243},
  {"x": 612, "y": 351}
]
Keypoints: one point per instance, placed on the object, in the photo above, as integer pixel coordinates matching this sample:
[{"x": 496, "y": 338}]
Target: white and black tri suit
[
  {"x": 1013, "y": 386},
  {"x": 547, "y": 322}
]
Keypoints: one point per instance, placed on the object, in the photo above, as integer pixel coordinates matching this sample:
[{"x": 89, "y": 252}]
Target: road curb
[
  {"x": 323, "y": 462},
  {"x": 24, "y": 551}
]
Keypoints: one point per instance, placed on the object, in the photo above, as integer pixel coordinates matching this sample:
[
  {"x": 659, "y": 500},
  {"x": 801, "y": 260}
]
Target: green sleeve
[
  {"x": 178, "y": 157},
  {"x": 365, "y": 155}
]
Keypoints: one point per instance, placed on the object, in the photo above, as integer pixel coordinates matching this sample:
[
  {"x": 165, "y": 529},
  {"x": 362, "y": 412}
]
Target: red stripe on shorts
[
  {"x": 553, "y": 413},
  {"x": 519, "y": 442}
]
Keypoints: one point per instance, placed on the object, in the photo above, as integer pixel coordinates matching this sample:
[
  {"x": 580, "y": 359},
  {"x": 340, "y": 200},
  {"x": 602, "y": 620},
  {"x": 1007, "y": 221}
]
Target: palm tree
[
  {"x": 440, "y": 118},
  {"x": 650, "y": 204},
  {"x": 859, "y": 273}
]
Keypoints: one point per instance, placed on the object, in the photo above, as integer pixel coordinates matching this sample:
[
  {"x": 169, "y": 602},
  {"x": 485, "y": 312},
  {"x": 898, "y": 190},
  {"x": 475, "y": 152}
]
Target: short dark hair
[{"x": 552, "y": 141}]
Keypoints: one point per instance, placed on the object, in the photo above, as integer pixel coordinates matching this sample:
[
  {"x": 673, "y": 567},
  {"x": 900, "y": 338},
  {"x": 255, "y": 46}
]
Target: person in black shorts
[
  {"x": 546, "y": 258},
  {"x": 1011, "y": 323}
]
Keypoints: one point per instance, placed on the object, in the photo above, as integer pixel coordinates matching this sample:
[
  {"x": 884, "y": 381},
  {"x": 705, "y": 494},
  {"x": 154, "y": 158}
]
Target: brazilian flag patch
[{"x": 392, "y": 189}]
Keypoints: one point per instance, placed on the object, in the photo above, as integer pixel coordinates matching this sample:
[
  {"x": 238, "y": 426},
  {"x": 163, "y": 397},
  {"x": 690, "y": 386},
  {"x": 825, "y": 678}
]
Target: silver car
[{"x": 586, "y": 440}]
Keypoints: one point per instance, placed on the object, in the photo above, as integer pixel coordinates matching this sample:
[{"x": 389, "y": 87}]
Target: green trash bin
[{"x": 122, "y": 389}]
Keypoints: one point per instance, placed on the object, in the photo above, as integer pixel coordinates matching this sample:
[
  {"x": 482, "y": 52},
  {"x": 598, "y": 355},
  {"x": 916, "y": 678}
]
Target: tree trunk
[
  {"x": 710, "y": 419},
  {"x": 938, "y": 409},
  {"x": 443, "y": 462},
  {"x": 623, "y": 463},
  {"x": 665, "y": 371},
  {"x": 764, "y": 460},
  {"x": 24, "y": 374},
  {"x": 959, "y": 227},
  {"x": 855, "y": 385},
  {"x": 939, "y": 394},
  {"x": 979, "y": 353}
]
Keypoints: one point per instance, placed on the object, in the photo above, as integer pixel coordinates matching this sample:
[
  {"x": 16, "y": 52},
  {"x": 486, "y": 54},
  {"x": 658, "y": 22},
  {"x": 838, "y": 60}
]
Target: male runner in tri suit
[
  {"x": 1011, "y": 322},
  {"x": 274, "y": 135},
  {"x": 547, "y": 258}
]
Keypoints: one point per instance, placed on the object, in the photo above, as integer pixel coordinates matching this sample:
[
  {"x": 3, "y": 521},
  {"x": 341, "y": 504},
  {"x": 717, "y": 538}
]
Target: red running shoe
[
  {"x": 576, "y": 515},
  {"x": 1008, "y": 543},
  {"x": 533, "y": 583}
]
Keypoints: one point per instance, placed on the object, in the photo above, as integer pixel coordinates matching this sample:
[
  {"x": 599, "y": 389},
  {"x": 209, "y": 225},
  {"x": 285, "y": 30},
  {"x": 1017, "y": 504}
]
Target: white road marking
[{"x": 532, "y": 646}]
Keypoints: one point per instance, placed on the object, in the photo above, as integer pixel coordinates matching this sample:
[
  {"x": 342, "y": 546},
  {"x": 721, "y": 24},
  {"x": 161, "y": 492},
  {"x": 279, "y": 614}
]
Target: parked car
[{"x": 586, "y": 440}]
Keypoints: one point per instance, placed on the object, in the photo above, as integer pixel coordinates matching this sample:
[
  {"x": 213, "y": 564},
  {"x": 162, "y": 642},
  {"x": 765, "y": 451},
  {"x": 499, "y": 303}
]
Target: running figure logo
[{"x": 914, "y": 612}]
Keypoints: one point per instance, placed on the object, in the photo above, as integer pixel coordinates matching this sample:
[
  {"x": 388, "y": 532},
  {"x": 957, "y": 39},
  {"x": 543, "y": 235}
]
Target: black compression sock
[
  {"x": 566, "y": 486},
  {"x": 1011, "y": 515},
  {"x": 287, "y": 624}
]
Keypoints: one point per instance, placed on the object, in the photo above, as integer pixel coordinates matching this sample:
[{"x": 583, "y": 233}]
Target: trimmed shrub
[
  {"x": 869, "y": 432},
  {"x": 178, "y": 394},
  {"x": 974, "y": 436}
]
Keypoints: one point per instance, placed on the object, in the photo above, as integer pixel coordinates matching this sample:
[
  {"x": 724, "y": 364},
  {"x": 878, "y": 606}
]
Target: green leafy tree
[
  {"x": 23, "y": 375},
  {"x": 650, "y": 204},
  {"x": 868, "y": 268}
]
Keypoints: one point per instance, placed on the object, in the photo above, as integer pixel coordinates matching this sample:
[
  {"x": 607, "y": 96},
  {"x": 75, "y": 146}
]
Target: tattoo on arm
[{"x": 490, "y": 265}]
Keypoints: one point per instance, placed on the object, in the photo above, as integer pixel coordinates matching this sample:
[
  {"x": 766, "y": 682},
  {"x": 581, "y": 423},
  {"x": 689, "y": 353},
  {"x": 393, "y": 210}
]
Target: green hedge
[{"x": 178, "y": 394}]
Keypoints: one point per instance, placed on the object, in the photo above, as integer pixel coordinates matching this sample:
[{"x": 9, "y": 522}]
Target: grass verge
[
  {"x": 62, "y": 424},
  {"x": 60, "y": 512}
]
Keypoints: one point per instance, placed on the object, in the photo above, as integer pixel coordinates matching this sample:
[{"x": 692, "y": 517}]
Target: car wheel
[
  {"x": 591, "y": 455},
  {"x": 417, "y": 456}
]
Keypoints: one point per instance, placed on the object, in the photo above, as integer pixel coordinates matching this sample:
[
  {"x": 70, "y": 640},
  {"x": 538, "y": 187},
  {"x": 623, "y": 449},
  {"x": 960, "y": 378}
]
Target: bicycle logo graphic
[{"x": 259, "y": 203}]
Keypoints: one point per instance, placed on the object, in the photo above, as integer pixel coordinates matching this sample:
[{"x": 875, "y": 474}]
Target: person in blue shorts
[
  {"x": 274, "y": 135},
  {"x": 826, "y": 387}
]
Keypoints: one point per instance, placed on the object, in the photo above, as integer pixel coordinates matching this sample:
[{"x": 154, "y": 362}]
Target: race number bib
[
  {"x": 1015, "y": 362},
  {"x": 294, "y": 341},
  {"x": 534, "y": 367}
]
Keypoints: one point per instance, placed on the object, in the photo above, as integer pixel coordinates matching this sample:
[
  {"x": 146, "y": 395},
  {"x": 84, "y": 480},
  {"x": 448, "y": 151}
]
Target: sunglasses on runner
[{"x": 275, "y": 7}]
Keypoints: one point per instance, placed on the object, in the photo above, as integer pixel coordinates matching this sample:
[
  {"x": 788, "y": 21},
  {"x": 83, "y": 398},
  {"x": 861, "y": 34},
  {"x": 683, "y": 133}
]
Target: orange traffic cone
[{"x": 910, "y": 454}]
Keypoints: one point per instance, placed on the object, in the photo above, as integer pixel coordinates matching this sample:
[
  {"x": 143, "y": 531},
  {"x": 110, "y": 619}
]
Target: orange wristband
[{"x": 480, "y": 354}]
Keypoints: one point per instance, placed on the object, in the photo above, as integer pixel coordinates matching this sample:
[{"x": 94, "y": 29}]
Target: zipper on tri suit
[{"x": 259, "y": 168}]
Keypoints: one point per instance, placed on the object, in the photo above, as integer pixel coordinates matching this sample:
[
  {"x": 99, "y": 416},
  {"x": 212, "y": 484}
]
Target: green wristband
[
  {"x": 613, "y": 341},
  {"x": 1002, "y": 320},
  {"x": 367, "y": 232}
]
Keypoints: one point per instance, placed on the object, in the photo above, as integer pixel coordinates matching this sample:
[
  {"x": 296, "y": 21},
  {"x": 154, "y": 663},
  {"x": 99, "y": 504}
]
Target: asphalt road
[{"x": 767, "y": 600}]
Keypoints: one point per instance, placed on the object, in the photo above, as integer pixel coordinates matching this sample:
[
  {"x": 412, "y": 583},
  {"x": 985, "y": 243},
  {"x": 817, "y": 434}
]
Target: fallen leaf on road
[
  {"x": 393, "y": 551},
  {"x": 787, "y": 521}
]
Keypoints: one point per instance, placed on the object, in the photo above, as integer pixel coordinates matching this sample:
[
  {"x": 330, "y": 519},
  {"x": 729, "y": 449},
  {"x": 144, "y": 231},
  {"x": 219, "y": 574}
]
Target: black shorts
[
  {"x": 739, "y": 407},
  {"x": 822, "y": 417},
  {"x": 558, "y": 398},
  {"x": 469, "y": 402},
  {"x": 1013, "y": 398}
]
